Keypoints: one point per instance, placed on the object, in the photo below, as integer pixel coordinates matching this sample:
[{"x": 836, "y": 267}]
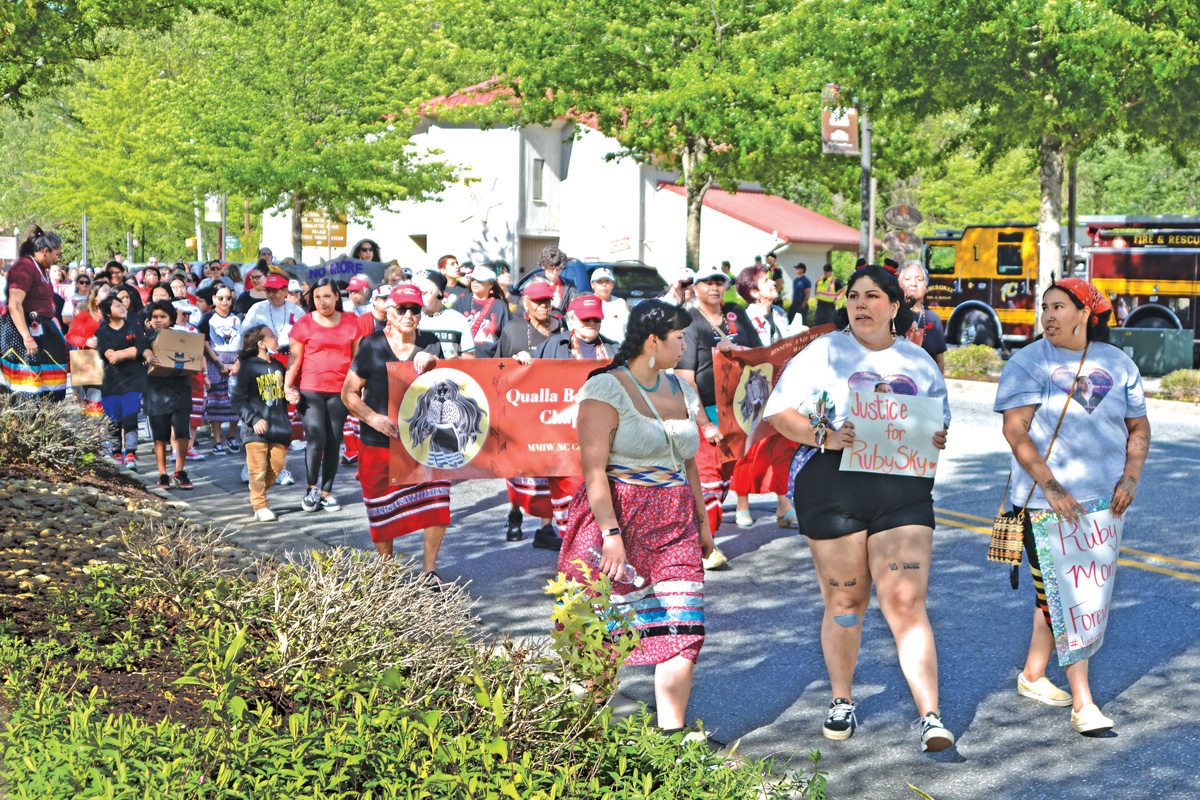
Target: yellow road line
[
  {"x": 964, "y": 516},
  {"x": 1163, "y": 570},
  {"x": 1123, "y": 561}
]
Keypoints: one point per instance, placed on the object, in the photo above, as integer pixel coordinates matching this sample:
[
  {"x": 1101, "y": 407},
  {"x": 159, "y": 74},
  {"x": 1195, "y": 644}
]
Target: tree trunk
[
  {"x": 297, "y": 227},
  {"x": 1049, "y": 220},
  {"x": 696, "y": 184}
]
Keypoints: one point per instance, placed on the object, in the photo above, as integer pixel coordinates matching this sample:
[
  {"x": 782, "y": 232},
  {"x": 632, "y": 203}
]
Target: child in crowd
[
  {"x": 168, "y": 401},
  {"x": 119, "y": 343},
  {"x": 266, "y": 427}
]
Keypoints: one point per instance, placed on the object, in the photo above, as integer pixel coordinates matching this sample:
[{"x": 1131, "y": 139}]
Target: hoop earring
[
  {"x": 893, "y": 327},
  {"x": 651, "y": 364}
]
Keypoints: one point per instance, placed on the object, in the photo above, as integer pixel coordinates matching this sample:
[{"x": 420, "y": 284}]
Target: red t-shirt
[
  {"x": 27, "y": 276},
  {"x": 367, "y": 324},
  {"x": 83, "y": 327},
  {"x": 327, "y": 352}
]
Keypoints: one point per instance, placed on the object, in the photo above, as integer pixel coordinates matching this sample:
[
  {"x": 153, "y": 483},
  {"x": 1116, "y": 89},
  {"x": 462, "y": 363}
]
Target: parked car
[{"x": 634, "y": 281}]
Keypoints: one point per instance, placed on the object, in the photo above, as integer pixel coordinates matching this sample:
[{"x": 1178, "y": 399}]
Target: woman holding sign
[
  {"x": 1099, "y": 448},
  {"x": 865, "y": 528}
]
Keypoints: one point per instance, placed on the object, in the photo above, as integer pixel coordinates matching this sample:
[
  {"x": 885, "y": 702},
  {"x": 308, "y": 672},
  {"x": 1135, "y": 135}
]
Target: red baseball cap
[
  {"x": 406, "y": 295},
  {"x": 276, "y": 282},
  {"x": 539, "y": 291},
  {"x": 587, "y": 306},
  {"x": 359, "y": 283}
]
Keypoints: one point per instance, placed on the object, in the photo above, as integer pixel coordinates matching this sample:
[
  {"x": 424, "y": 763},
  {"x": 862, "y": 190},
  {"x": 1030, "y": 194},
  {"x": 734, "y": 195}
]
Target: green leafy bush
[
  {"x": 48, "y": 435},
  {"x": 1182, "y": 384},
  {"x": 973, "y": 361}
]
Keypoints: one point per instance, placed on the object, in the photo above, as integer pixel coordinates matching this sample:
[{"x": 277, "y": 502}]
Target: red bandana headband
[{"x": 1095, "y": 302}]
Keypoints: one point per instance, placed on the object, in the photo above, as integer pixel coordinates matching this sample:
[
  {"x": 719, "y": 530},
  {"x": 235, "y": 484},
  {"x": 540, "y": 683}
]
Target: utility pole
[
  {"x": 84, "y": 231},
  {"x": 866, "y": 235},
  {"x": 221, "y": 239},
  {"x": 199, "y": 233},
  {"x": 1071, "y": 198}
]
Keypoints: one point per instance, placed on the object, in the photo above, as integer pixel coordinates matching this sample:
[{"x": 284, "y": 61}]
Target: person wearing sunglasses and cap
[
  {"x": 486, "y": 311},
  {"x": 616, "y": 310},
  {"x": 1101, "y": 437},
  {"x": 451, "y": 328},
  {"x": 581, "y": 341},
  {"x": 394, "y": 511}
]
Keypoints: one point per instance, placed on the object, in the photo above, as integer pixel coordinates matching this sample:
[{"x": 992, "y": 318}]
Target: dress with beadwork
[{"x": 656, "y": 511}]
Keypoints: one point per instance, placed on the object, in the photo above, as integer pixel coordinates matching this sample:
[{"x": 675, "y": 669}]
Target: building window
[{"x": 539, "y": 170}]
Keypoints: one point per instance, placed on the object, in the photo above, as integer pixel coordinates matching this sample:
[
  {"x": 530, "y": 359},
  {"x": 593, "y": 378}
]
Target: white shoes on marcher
[{"x": 264, "y": 515}]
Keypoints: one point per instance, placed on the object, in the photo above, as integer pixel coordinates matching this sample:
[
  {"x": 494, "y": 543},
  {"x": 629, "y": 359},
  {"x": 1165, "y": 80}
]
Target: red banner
[
  {"x": 743, "y": 380},
  {"x": 485, "y": 418}
]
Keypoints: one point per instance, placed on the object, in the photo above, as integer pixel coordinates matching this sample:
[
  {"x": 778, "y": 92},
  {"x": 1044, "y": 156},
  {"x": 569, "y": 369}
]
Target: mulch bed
[{"x": 102, "y": 475}]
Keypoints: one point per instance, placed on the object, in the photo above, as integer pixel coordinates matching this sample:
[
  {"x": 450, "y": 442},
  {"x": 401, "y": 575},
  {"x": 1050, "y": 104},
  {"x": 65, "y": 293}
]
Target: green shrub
[
  {"x": 52, "y": 436},
  {"x": 973, "y": 361},
  {"x": 1182, "y": 384}
]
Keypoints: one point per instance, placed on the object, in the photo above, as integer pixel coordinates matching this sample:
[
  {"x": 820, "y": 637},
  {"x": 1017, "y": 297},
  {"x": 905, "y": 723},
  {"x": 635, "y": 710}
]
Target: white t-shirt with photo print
[{"x": 1088, "y": 457}]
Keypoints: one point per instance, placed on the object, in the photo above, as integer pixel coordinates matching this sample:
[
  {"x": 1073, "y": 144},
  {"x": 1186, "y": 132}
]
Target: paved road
[{"x": 762, "y": 680}]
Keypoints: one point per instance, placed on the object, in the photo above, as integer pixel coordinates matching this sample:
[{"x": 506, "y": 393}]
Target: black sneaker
[
  {"x": 512, "y": 533},
  {"x": 934, "y": 736},
  {"x": 312, "y": 499},
  {"x": 840, "y": 723},
  {"x": 164, "y": 481},
  {"x": 182, "y": 480},
  {"x": 547, "y": 539}
]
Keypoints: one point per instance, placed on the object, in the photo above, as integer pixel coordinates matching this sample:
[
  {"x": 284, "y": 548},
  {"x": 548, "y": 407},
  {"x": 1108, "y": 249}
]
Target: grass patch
[
  {"x": 331, "y": 676},
  {"x": 973, "y": 361},
  {"x": 1182, "y": 384}
]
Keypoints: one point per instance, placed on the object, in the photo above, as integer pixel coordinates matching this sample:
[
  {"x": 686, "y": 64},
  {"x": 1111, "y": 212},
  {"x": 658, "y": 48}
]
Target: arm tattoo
[
  {"x": 1139, "y": 443},
  {"x": 612, "y": 437},
  {"x": 1054, "y": 490},
  {"x": 1128, "y": 484}
]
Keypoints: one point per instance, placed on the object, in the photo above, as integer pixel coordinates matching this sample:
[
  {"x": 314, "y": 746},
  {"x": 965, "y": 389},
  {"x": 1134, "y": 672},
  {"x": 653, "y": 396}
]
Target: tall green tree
[
  {"x": 698, "y": 86},
  {"x": 42, "y": 43},
  {"x": 305, "y": 104},
  {"x": 1051, "y": 77}
]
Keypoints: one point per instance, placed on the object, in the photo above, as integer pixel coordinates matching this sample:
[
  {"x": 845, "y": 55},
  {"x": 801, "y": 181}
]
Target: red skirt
[
  {"x": 764, "y": 468},
  {"x": 531, "y": 495},
  {"x": 393, "y": 511},
  {"x": 562, "y": 490},
  {"x": 714, "y": 482}
]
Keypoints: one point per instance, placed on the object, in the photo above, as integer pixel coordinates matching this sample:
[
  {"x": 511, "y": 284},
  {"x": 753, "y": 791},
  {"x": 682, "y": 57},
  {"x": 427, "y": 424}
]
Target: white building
[{"x": 528, "y": 188}]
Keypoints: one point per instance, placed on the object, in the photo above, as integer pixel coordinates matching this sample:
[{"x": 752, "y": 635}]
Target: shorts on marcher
[
  {"x": 162, "y": 425},
  {"x": 831, "y": 504},
  {"x": 120, "y": 406}
]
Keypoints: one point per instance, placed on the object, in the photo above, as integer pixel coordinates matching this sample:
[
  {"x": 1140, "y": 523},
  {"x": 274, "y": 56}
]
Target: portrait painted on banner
[
  {"x": 753, "y": 389},
  {"x": 444, "y": 419}
]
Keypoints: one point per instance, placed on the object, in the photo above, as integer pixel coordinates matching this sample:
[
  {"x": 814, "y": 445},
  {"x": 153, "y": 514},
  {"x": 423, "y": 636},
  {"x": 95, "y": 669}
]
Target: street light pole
[{"x": 866, "y": 235}]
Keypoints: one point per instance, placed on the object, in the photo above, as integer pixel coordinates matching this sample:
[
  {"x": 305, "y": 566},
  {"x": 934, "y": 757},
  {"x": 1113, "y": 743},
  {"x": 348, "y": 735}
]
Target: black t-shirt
[
  {"x": 934, "y": 342},
  {"x": 488, "y": 332},
  {"x": 457, "y": 297},
  {"x": 700, "y": 340},
  {"x": 165, "y": 395},
  {"x": 124, "y": 376},
  {"x": 519, "y": 335},
  {"x": 558, "y": 346},
  {"x": 243, "y": 302},
  {"x": 370, "y": 364}
]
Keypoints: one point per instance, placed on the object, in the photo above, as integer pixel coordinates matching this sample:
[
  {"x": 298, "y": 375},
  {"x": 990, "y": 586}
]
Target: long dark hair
[
  {"x": 310, "y": 304},
  {"x": 1095, "y": 333},
  {"x": 250, "y": 339},
  {"x": 885, "y": 280},
  {"x": 650, "y": 317},
  {"x": 38, "y": 241}
]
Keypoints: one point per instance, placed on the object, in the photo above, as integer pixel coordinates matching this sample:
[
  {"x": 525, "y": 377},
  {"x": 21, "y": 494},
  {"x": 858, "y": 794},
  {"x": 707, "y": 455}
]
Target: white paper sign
[
  {"x": 893, "y": 434},
  {"x": 1079, "y": 566}
]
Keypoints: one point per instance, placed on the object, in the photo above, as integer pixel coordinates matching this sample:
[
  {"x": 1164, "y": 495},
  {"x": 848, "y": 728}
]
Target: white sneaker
[
  {"x": 264, "y": 515},
  {"x": 285, "y": 478},
  {"x": 297, "y": 446}
]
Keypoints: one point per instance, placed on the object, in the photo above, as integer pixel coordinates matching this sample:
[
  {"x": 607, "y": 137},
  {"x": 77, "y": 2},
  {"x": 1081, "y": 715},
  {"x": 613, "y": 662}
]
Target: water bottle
[{"x": 629, "y": 575}]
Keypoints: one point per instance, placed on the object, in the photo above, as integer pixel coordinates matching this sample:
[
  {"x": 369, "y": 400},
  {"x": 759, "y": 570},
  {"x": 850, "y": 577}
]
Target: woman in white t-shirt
[
  {"x": 1099, "y": 452},
  {"x": 864, "y": 527}
]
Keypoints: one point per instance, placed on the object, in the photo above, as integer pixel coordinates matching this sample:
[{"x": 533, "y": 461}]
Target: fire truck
[{"x": 982, "y": 279}]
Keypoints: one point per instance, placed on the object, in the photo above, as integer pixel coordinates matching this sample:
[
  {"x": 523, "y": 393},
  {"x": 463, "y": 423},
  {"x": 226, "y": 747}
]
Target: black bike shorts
[{"x": 831, "y": 504}]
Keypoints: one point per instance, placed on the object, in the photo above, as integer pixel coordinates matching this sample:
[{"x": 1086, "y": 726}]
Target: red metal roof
[
  {"x": 485, "y": 93},
  {"x": 770, "y": 213}
]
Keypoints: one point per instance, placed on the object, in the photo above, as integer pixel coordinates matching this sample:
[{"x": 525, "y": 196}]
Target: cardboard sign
[
  {"x": 743, "y": 380},
  {"x": 893, "y": 434},
  {"x": 181, "y": 353},
  {"x": 1079, "y": 566},
  {"x": 485, "y": 418}
]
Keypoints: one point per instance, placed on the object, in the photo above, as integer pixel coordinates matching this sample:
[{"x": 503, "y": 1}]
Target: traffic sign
[{"x": 232, "y": 243}]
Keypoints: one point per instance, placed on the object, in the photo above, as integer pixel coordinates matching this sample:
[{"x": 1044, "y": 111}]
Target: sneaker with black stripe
[
  {"x": 841, "y": 722},
  {"x": 934, "y": 735}
]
